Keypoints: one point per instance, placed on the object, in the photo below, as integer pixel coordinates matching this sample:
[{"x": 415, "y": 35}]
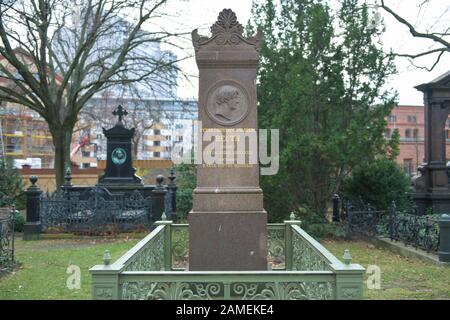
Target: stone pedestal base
[
  {"x": 220, "y": 241},
  {"x": 31, "y": 231},
  {"x": 438, "y": 202}
]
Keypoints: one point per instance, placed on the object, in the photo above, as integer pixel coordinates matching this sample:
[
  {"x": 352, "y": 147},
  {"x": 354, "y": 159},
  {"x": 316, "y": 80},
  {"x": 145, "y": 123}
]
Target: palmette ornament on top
[{"x": 226, "y": 31}]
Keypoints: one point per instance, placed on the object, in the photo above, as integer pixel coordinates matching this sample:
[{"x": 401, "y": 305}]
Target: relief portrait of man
[{"x": 227, "y": 100}]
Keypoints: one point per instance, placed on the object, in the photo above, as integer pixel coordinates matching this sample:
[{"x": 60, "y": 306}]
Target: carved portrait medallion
[
  {"x": 118, "y": 156},
  {"x": 227, "y": 103}
]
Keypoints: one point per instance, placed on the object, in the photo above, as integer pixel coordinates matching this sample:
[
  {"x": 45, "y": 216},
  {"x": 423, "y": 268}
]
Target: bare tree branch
[
  {"x": 58, "y": 54},
  {"x": 436, "y": 37}
]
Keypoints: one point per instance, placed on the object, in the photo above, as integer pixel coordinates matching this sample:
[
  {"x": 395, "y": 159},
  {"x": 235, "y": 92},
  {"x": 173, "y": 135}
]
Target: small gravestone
[
  {"x": 119, "y": 163},
  {"x": 227, "y": 224}
]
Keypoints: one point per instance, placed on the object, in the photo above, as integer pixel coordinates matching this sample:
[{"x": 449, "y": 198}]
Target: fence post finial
[
  {"x": 347, "y": 257},
  {"x": 106, "y": 258},
  {"x": 159, "y": 181}
]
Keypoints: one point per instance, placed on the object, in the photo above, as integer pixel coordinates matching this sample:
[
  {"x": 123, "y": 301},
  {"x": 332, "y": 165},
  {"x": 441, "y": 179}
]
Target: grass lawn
[
  {"x": 44, "y": 264},
  {"x": 42, "y": 274},
  {"x": 401, "y": 278}
]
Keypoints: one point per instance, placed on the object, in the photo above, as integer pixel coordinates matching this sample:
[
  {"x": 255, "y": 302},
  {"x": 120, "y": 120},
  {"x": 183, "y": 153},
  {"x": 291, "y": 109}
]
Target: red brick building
[{"x": 409, "y": 121}]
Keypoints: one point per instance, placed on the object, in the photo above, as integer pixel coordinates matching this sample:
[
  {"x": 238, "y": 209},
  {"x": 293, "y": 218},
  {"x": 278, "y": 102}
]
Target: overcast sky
[{"x": 191, "y": 14}]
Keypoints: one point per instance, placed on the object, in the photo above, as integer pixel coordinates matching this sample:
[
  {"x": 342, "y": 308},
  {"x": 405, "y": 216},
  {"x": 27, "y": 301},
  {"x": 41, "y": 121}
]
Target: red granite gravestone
[
  {"x": 227, "y": 224},
  {"x": 431, "y": 189}
]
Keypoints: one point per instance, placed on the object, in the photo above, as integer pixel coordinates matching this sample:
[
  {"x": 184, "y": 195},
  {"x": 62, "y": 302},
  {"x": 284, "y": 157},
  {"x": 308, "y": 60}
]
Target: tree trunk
[{"x": 62, "y": 138}]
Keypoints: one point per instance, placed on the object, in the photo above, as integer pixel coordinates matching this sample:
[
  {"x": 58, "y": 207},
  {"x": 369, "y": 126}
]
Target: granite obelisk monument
[{"x": 227, "y": 224}]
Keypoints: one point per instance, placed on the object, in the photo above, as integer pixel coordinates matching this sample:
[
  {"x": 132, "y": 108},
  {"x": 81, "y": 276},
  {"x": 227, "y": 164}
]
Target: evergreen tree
[
  {"x": 321, "y": 83},
  {"x": 10, "y": 185}
]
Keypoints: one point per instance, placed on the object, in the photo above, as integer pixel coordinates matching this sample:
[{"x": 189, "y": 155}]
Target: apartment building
[{"x": 409, "y": 121}]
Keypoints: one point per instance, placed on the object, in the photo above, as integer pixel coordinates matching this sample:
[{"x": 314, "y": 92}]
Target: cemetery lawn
[
  {"x": 401, "y": 277},
  {"x": 42, "y": 274}
]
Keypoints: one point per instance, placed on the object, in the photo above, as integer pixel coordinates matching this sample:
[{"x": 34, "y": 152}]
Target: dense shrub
[
  {"x": 186, "y": 182},
  {"x": 11, "y": 188},
  {"x": 317, "y": 226},
  {"x": 378, "y": 183},
  {"x": 19, "y": 222}
]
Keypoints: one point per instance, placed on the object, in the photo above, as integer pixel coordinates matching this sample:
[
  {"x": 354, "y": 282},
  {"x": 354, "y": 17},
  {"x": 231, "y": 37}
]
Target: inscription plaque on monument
[{"x": 227, "y": 224}]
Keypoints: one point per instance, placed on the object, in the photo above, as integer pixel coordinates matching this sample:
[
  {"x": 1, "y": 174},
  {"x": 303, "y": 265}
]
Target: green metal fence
[{"x": 299, "y": 268}]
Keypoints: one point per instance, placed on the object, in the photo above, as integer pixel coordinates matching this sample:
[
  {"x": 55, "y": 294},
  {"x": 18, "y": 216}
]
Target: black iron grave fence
[
  {"x": 7, "y": 240},
  {"x": 98, "y": 209},
  {"x": 95, "y": 210},
  {"x": 419, "y": 231}
]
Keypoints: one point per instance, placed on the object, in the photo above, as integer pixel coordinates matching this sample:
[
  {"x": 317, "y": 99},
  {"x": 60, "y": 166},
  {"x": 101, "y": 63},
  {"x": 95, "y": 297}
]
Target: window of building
[
  {"x": 416, "y": 133},
  {"x": 85, "y": 154},
  {"x": 412, "y": 119},
  {"x": 407, "y": 133},
  {"x": 156, "y": 154},
  {"x": 86, "y": 165},
  {"x": 392, "y": 118},
  {"x": 447, "y": 134},
  {"x": 157, "y": 132},
  {"x": 407, "y": 166},
  {"x": 157, "y": 143}
]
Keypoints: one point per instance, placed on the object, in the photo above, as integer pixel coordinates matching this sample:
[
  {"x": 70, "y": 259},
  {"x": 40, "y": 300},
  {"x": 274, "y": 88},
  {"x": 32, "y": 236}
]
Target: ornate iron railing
[
  {"x": 275, "y": 246},
  {"x": 155, "y": 269},
  {"x": 419, "y": 231},
  {"x": 7, "y": 241},
  {"x": 308, "y": 254},
  {"x": 95, "y": 210},
  {"x": 180, "y": 246},
  {"x": 227, "y": 285},
  {"x": 100, "y": 209}
]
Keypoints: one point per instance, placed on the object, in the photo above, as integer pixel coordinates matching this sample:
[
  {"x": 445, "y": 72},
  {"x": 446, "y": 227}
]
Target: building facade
[
  {"x": 25, "y": 138},
  {"x": 409, "y": 121},
  {"x": 160, "y": 124}
]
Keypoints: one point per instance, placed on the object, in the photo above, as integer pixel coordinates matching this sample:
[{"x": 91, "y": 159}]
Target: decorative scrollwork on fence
[
  {"x": 147, "y": 290},
  {"x": 149, "y": 258},
  {"x": 305, "y": 258},
  {"x": 283, "y": 291},
  {"x": 95, "y": 210},
  {"x": 6, "y": 243},
  {"x": 276, "y": 247},
  {"x": 180, "y": 246},
  {"x": 420, "y": 231},
  {"x": 150, "y": 290}
]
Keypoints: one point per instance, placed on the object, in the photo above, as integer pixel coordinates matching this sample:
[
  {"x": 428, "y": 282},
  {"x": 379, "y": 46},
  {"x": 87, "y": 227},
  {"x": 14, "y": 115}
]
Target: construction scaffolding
[{"x": 24, "y": 136}]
